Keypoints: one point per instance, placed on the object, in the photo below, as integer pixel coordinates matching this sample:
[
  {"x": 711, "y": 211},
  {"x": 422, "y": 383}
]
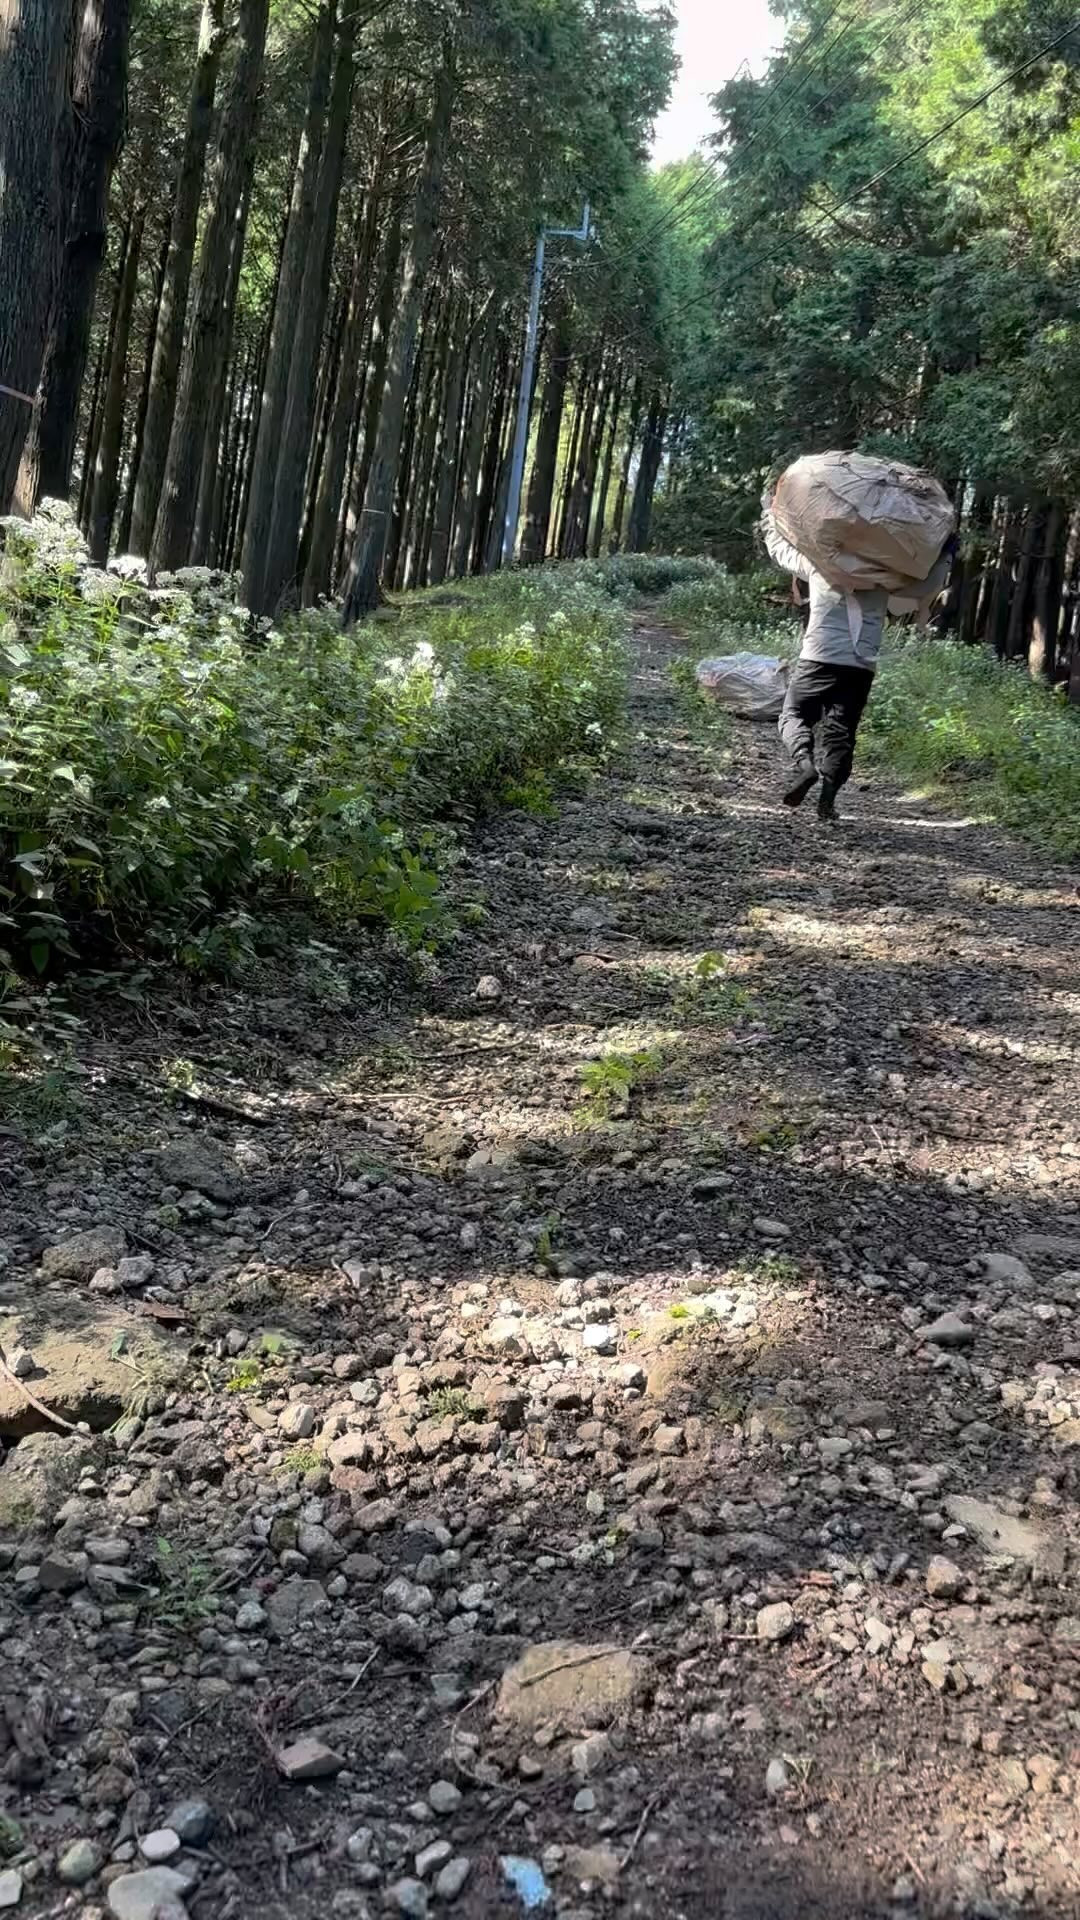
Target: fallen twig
[
  {"x": 650, "y": 1807},
  {"x": 324, "y": 1715},
  {"x": 224, "y": 1108},
  {"x": 176, "y": 1734},
  {"x": 473, "y": 1701},
  {"x": 227, "y": 1584},
  {"x": 38, "y": 1405},
  {"x": 561, "y": 1666}
]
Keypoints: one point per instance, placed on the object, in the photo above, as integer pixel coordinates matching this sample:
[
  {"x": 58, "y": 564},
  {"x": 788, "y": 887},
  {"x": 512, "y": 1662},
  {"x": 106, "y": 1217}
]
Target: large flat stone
[
  {"x": 201, "y": 1165},
  {"x": 39, "y": 1475},
  {"x": 81, "y": 1254},
  {"x": 137, "y": 1896},
  {"x": 92, "y": 1358},
  {"x": 1001, "y": 1533},
  {"x": 294, "y": 1602},
  {"x": 563, "y": 1683}
]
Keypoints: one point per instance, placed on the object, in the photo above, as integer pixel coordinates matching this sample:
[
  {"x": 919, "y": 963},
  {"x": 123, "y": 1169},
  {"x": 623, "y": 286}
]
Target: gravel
[{"x": 595, "y": 1492}]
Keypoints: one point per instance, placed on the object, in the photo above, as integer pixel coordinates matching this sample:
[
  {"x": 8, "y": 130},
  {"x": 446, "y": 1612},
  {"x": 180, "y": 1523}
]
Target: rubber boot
[
  {"x": 826, "y": 810},
  {"x": 804, "y": 776}
]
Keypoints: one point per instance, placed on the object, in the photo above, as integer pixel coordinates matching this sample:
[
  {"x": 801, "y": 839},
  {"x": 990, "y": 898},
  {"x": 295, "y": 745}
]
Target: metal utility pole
[{"x": 582, "y": 235}]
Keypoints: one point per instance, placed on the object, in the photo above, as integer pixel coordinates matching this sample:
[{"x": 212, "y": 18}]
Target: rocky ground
[{"x": 594, "y": 1432}]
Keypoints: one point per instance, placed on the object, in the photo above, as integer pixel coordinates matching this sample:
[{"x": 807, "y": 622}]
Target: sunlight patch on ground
[
  {"x": 859, "y": 939},
  {"x": 996, "y": 1046},
  {"x": 674, "y": 802},
  {"x": 911, "y": 941},
  {"x": 932, "y": 823},
  {"x": 985, "y": 886}
]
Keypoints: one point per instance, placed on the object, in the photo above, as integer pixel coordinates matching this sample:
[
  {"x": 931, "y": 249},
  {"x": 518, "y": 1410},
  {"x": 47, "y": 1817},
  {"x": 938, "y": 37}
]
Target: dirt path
[{"x": 489, "y": 1352}]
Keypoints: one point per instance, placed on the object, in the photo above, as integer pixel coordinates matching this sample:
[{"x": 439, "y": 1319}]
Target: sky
[{"x": 714, "y": 38}]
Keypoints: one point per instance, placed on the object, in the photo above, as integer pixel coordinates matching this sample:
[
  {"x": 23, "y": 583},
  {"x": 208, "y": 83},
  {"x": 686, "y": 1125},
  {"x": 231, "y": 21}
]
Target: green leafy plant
[
  {"x": 717, "y": 602},
  {"x": 165, "y": 782},
  {"x": 546, "y": 1238},
  {"x": 978, "y": 731},
  {"x": 531, "y": 794},
  {"x": 273, "y": 1342},
  {"x": 302, "y": 1459},
  {"x": 609, "y": 1083},
  {"x": 707, "y": 722},
  {"x": 184, "y": 1599},
  {"x": 452, "y": 1403},
  {"x": 644, "y": 576},
  {"x": 776, "y": 1136},
  {"x": 245, "y": 1377},
  {"x": 779, "y": 1269},
  {"x": 709, "y": 996},
  {"x": 179, "y": 1075}
]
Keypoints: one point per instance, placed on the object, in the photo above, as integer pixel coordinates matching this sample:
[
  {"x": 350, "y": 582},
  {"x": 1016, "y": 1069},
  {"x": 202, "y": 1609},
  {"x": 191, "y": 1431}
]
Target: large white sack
[
  {"x": 749, "y": 684},
  {"x": 864, "y": 522}
]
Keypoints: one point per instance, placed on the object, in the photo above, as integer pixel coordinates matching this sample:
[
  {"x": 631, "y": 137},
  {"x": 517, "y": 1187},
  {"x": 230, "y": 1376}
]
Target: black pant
[{"x": 836, "y": 698}]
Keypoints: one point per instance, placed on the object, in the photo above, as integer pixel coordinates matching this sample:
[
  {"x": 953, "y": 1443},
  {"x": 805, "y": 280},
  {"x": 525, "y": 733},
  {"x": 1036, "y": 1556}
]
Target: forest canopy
[{"x": 285, "y": 270}]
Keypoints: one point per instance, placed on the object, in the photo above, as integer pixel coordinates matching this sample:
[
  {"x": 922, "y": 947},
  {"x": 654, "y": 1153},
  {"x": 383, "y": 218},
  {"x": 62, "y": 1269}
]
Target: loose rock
[
  {"x": 944, "y": 1579},
  {"x": 559, "y": 1682},
  {"x": 140, "y": 1896},
  {"x": 451, "y": 1878},
  {"x": 948, "y": 1331},
  {"x": 776, "y": 1622},
  {"x": 309, "y": 1760},
  {"x": 79, "y": 1257},
  {"x": 78, "y": 1863}
]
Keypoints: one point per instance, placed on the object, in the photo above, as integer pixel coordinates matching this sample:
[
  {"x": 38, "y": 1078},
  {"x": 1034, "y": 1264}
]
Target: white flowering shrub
[{"x": 167, "y": 771}]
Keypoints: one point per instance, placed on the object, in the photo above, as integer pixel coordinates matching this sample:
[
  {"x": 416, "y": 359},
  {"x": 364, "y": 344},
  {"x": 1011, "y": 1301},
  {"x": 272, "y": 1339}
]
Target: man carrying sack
[{"x": 860, "y": 532}]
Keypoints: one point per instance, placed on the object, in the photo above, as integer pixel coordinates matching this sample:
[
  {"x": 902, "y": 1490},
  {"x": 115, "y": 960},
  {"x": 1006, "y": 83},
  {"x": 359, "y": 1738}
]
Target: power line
[
  {"x": 771, "y": 120},
  {"x": 912, "y": 153},
  {"x": 714, "y": 166},
  {"x": 703, "y": 181},
  {"x": 1016, "y": 74}
]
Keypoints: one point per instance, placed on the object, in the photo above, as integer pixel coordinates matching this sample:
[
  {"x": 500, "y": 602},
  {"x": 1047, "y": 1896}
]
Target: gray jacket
[{"x": 844, "y": 629}]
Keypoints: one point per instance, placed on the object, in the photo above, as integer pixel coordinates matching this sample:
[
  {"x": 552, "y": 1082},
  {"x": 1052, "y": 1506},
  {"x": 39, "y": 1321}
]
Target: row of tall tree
[
  {"x": 932, "y": 314},
  {"x": 264, "y": 266},
  {"x": 263, "y": 271}
]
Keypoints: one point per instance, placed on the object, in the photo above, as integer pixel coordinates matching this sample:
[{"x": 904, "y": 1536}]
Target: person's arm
[{"x": 785, "y": 555}]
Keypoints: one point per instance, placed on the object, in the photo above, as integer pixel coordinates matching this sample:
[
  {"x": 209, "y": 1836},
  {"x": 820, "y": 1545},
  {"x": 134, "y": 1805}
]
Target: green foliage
[
  {"x": 609, "y": 1082},
  {"x": 708, "y": 996},
  {"x": 452, "y": 1403},
  {"x": 645, "y": 576},
  {"x": 706, "y": 719},
  {"x": 302, "y": 1459},
  {"x": 933, "y": 317},
  {"x": 531, "y": 794},
  {"x": 958, "y": 720},
  {"x": 776, "y": 1136},
  {"x": 185, "y": 1598},
  {"x": 546, "y": 1237},
  {"x": 165, "y": 780},
  {"x": 720, "y": 601},
  {"x": 245, "y": 1377},
  {"x": 779, "y": 1270}
]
